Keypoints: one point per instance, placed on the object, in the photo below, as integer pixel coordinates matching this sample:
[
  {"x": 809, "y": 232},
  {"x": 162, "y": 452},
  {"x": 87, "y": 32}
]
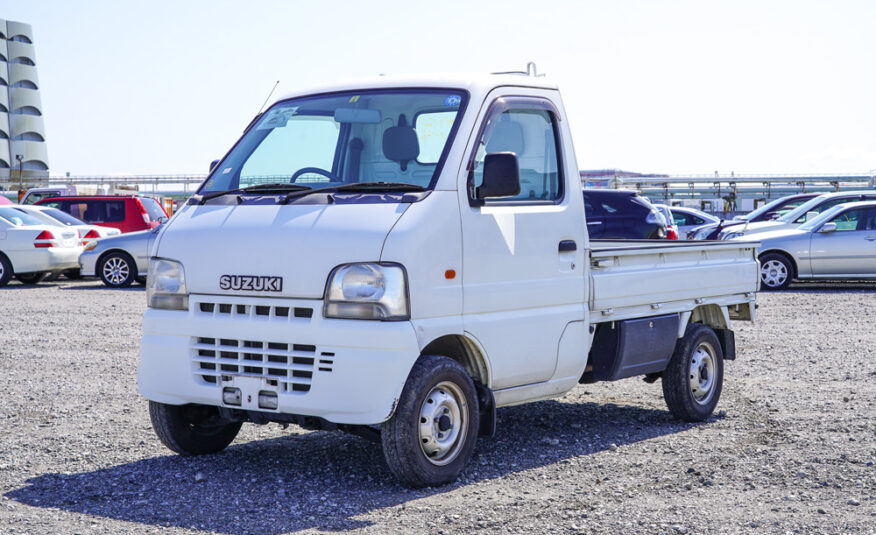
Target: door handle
[
  {"x": 594, "y": 222},
  {"x": 567, "y": 246}
]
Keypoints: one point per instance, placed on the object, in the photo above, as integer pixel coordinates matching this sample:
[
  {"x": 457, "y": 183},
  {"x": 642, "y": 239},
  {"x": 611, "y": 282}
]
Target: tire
[
  {"x": 422, "y": 453},
  {"x": 117, "y": 270},
  {"x": 5, "y": 270},
  {"x": 191, "y": 429},
  {"x": 693, "y": 379},
  {"x": 73, "y": 274},
  {"x": 30, "y": 278},
  {"x": 776, "y": 272}
]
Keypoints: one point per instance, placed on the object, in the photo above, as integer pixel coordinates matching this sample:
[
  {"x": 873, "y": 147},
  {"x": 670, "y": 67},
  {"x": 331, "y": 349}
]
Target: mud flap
[{"x": 487, "y": 406}]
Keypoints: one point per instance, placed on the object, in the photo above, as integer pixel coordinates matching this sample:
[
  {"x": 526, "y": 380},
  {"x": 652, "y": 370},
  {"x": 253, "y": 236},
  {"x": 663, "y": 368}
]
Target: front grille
[
  {"x": 218, "y": 309},
  {"x": 287, "y": 366}
]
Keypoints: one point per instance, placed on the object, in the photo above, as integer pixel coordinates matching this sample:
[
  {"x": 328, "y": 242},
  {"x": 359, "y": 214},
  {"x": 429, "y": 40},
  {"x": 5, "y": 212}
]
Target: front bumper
[
  {"x": 88, "y": 263},
  {"x": 345, "y": 371},
  {"x": 47, "y": 259}
]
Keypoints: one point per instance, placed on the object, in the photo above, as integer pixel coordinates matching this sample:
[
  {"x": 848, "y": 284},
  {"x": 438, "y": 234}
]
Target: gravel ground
[{"x": 791, "y": 450}]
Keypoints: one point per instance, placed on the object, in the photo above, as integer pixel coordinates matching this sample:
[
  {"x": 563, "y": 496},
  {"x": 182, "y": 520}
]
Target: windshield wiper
[
  {"x": 282, "y": 186},
  {"x": 356, "y": 186}
]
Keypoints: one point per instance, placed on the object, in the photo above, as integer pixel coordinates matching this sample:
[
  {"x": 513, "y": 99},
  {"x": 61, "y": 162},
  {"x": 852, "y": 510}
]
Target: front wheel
[
  {"x": 117, "y": 270},
  {"x": 5, "y": 270},
  {"x": 776, "y": 272},
  {"x": 432, "y": 434},
  {"x": 192, "y": 429},
  {"x": 693, "y": 379}
]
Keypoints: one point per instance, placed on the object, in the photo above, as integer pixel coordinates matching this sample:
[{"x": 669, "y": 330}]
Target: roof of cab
[{"x": 475, "y": 84}]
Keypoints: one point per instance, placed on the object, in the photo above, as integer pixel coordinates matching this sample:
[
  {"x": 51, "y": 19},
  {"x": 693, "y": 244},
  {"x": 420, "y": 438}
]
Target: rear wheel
[
  {"x": 776, "y": 272},
  {"x": 432, "y": 434},
  {"x": 5, "y": 270},
  {"x": 192, "y": 429},
  {"x": 117, "y": 270},
  {"x": 693, "y": 379},
  {"x": 30, "y": 278}
]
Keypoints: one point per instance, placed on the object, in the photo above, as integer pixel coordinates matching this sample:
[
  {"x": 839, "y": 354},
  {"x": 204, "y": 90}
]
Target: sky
[{"x": 680, "y": 87}]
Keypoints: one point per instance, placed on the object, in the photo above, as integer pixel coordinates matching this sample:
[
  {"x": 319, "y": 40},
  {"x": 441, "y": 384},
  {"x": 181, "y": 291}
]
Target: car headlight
[
  {"x": 367, "y": 291},
  {"x": 166, "y": 285},
  {"x": 731, "y": 235}
]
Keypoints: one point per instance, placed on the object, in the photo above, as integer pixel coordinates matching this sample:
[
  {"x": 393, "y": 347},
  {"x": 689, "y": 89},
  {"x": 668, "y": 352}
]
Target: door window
[
  {"x": 531, "y": 134},
  {"x": 826, "y": 205},
  {"x": 857, "y": 219}
]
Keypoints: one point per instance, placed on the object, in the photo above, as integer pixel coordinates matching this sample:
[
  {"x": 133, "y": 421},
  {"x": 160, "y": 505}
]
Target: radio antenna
[{"x": 269, "y": 97}]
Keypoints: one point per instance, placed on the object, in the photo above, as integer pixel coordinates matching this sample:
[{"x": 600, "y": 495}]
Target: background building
[{"x": 22, "y": 131}]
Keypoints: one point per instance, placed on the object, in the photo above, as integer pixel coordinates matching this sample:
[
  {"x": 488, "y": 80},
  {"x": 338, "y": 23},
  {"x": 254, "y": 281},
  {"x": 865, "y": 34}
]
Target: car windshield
[
  {"x": 817, "y": 204},
  {"x": 771, "y": 207},
  {"x": 399, "y": 136},
  {"x": 19, "y": 217},
  {"x": 63, "y": 217}
]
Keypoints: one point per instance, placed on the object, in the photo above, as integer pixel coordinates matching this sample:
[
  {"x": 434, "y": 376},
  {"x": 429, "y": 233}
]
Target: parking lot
[{"x": 791, "y": 449}]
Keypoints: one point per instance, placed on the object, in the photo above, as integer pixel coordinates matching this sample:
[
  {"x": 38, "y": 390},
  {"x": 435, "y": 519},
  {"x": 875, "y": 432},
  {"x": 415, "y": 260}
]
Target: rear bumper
[
  {"x": 345, "y": 371},
  {"x": 87, "y": 263},
  {"x": 46, "y": 259}
]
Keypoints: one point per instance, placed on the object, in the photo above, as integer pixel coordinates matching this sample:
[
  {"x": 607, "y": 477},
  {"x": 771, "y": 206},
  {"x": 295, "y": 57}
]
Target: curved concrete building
[{"x": 22, "y": 130}]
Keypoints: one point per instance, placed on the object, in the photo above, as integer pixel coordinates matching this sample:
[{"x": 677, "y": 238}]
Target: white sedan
[
  {"x": 689, "y": 218},
  {"x": 30, "y": 248}
]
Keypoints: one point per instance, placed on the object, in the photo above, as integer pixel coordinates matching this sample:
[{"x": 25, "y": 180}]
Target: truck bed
[{"x": 638, "y": 278}]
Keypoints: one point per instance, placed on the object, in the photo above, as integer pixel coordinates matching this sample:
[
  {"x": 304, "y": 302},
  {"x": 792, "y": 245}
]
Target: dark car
[
  {"x": 621, "y": 214},
  {"x": 768, "y": 212},
  {"x": 126, "y": 213}
]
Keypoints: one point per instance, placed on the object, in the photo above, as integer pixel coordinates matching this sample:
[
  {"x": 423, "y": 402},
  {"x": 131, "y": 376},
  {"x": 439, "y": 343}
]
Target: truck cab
[{"x": 399, "y": 257}]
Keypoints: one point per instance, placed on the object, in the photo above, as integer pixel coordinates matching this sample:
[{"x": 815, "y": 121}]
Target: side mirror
[
  {"x": 501, "y": 176},
  {"x": 213, "y": 165},
  {"x": 827, "y": 227},
  {"x": 811, "y": 215}
]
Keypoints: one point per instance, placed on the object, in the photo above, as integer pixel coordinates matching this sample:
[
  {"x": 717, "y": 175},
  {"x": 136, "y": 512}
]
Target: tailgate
[{"x": 638, "y": 278}]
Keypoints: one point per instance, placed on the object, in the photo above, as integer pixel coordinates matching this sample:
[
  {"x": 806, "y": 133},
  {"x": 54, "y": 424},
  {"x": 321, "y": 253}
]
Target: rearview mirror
[
  {"x": 501, "y": 176},
  {"x": 827, "y": 227},
  {"x": 213, "y": 165}
]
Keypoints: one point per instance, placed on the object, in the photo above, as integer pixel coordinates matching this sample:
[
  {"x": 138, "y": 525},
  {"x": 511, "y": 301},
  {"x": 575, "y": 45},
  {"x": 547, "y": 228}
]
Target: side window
[
  {"x": 530, "y": 134},
  {"x": 857, "y": 219},
  {"x": 115, "y": 211},
  {"x": 680, "y": 218},
  {"x": 432, "y": 130},
  {"x": 589, "y": 210},
  {"x": 54, "y": 204}
]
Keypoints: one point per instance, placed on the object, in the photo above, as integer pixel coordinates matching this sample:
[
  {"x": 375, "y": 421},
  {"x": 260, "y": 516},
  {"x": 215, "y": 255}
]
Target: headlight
[
  {"x": 731, "y": 235},
  {"x": 367, "y": 291},
  {"x": 166, "y": 285}
]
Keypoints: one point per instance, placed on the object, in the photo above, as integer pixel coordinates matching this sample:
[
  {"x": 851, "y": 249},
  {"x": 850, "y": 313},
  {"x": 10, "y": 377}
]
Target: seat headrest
[
  {"x": 507, "y": 136},
  {"x": 400, "y": 143}
]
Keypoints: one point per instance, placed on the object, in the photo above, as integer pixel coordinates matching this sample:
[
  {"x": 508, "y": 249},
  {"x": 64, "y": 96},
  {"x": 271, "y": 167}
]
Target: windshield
[
  {"x": 63, "y": 217},
  {"x": 343, "y": 138},
  {"x": 818, "y": 204},
  {"x": 780, "y": 206},
  {"x": 19, "y": 218}
]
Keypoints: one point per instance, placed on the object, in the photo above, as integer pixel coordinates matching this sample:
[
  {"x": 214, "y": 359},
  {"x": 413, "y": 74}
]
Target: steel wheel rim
[
  {"x": 443, "y": 423},
  {"x": 115, "y": 270},
  {"x": 773, "y": 273},
  {"x": 702, "y": 373}
]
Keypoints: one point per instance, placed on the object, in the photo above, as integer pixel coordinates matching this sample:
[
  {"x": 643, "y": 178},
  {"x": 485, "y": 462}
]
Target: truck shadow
[
  {"x": 325, "y": 480},
  {"x": 834, "y": 287}
]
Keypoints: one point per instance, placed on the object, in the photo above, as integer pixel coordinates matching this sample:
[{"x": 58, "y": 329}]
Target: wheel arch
[
  {"x": 786, "y": 254},
  {"x": 463, "y": 350},
  {"x": 3, "y": 255},
  {"x": 106, "y": 253}
]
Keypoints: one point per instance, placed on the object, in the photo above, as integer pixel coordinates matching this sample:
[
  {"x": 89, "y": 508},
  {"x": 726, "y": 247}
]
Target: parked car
[
  {"x": 35, "y": 195},
  {"x": 686, "y": 219},
  {"x": 621, "y": 214},
  {"x": 5, "y": 200},
  {"x": 799, "y": 215},
  {"x": 671, "y": 227},
  {"x": 767, "y": 212},
  {"x": 838, "y": 244},
  {"x": 126, "y": 213},
  {"x": 87, "y": 233},
  {"x": 30, "y": 248},
  {"x": 120, "y": 260}
]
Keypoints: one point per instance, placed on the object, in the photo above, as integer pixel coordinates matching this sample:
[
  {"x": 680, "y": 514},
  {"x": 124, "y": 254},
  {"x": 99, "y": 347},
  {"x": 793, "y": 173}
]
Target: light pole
[{"x": 20, "y": 158}]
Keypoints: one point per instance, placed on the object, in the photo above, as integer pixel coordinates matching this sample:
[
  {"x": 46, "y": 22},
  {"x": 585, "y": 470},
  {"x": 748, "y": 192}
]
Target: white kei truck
[{"x": 400, "y": 257}]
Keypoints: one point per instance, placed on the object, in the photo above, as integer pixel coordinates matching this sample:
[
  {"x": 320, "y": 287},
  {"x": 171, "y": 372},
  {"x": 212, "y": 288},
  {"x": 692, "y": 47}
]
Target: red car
[{"x": 126, "y": 213}]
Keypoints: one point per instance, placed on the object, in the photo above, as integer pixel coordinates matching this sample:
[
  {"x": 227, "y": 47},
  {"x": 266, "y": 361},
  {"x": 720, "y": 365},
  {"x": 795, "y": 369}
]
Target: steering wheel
[{"x": 316, "y": 170}]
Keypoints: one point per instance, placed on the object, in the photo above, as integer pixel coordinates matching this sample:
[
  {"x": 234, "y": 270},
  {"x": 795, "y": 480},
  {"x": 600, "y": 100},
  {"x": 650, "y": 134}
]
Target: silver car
[
  {"x": 119, "y": 260},
  {"x": 838, "y": 244}
]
